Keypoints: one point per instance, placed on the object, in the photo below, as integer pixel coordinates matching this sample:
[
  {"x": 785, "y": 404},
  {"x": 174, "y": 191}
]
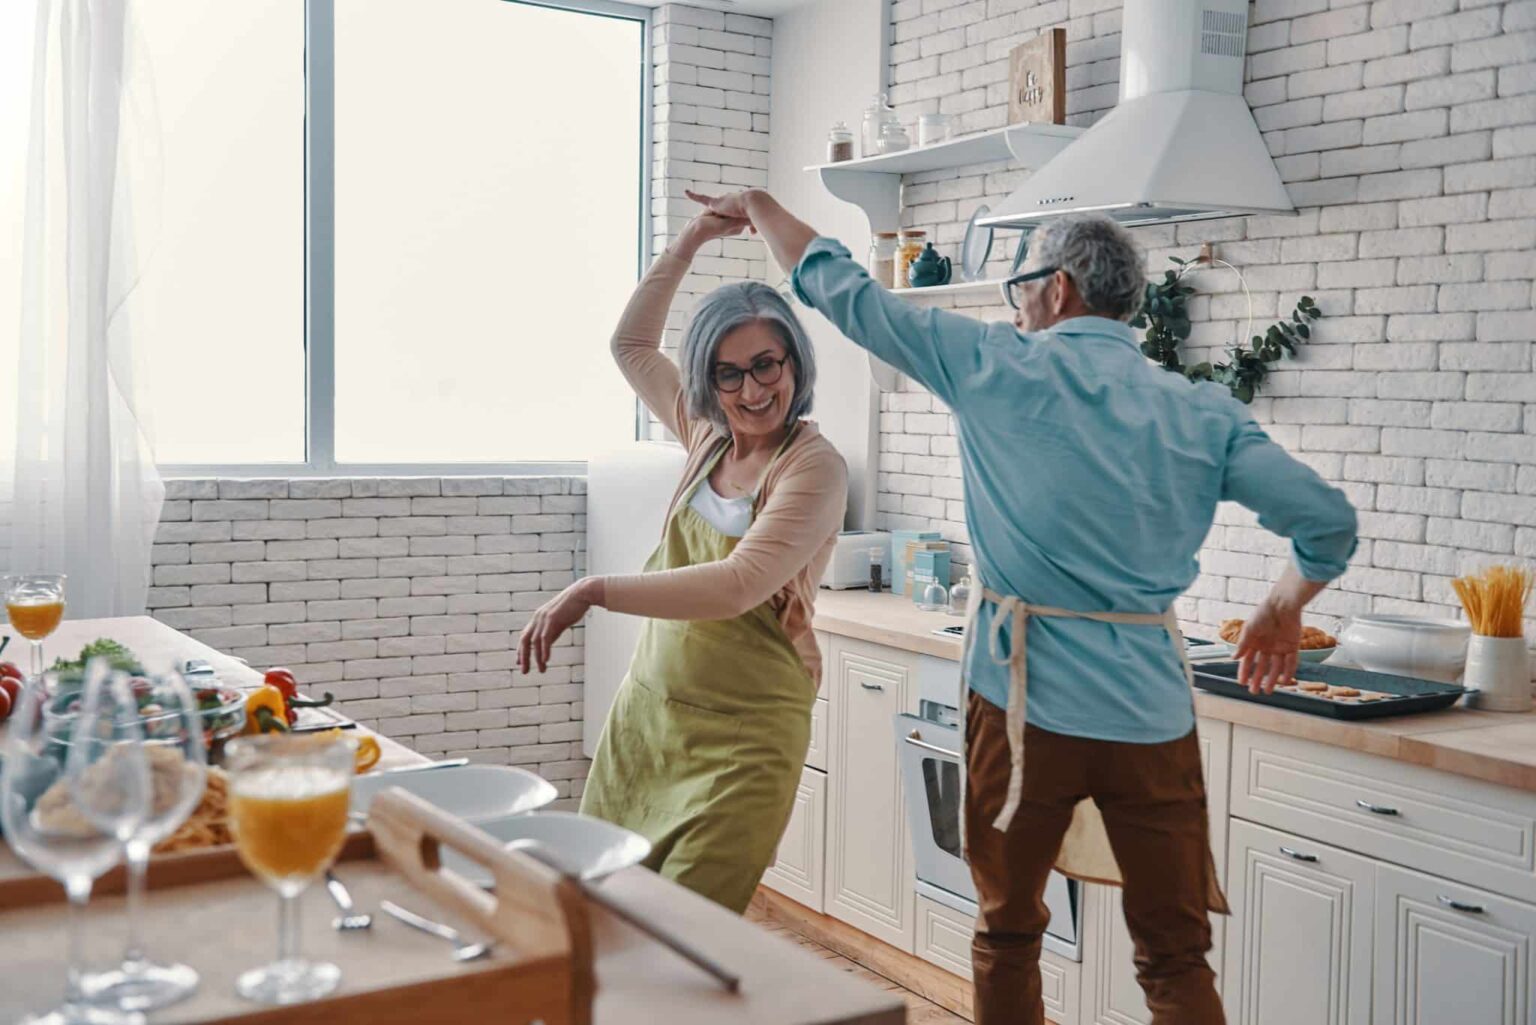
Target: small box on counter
[
  {"x": 926, "y": 566},
  {"x": 901, "y": 540}
]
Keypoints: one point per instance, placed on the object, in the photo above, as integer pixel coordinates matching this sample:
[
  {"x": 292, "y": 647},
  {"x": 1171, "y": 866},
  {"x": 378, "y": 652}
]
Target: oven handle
[{"x": 915, "y": 738}]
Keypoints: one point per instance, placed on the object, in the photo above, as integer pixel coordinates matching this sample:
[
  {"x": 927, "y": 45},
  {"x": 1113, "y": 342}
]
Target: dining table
[{"x": 637, "y": 980}]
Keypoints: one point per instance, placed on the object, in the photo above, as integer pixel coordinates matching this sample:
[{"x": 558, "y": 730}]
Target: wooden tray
[{"x": 206, "y": 910}]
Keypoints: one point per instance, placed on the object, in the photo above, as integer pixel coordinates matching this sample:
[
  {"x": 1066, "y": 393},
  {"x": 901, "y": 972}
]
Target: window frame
[{"x": 320, "y": 255}]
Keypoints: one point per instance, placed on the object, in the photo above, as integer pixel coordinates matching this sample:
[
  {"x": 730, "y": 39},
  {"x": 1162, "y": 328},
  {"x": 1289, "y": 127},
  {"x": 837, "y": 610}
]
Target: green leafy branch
[{"x": 1165, "y": 316}]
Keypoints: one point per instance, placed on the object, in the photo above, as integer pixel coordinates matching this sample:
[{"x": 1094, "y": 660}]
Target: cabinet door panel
[
  {"x": 1468, "y": 963},
  {"x": 1299, "y": 941},
  {"x": 869, "y": 867},
  {"x": 799, "y": 870}
]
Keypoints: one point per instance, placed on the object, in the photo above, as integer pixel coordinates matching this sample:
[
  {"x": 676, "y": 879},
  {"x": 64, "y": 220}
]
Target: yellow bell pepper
[{"x": 265, "y": 711}]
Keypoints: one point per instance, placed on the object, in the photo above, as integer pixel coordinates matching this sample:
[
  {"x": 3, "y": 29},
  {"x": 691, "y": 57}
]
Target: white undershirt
[{"x": 730, "y": 516}]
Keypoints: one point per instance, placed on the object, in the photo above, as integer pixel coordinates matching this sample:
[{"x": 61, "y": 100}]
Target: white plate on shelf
[
  {"x": 976, "y": 247},
  {"x": 472, "y": 792},
  {"x": 591, "y": 848}
]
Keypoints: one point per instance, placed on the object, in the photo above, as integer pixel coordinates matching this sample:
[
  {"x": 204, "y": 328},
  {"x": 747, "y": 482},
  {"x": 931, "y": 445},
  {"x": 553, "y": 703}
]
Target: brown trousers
[{"x": 1152, "y": 798}]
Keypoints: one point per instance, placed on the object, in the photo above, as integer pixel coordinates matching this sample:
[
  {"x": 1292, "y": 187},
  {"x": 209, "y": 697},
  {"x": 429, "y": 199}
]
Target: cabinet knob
[
  {"x": 1456, "y": 905},
  {"x": 871, "y": 686},
  {"x": 1290, "y": 852},
  {"x": 1377, "y": 809}
]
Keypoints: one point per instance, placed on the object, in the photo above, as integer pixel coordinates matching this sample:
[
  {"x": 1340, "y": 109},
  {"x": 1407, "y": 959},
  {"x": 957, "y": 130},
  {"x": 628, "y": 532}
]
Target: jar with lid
[
  {"x": 909, "y": 246},
  {"x": 882, "y": 258},
  {"x": 933, "y": 128},
  {"x": 960, "y": 595},
  {"x": 839, "y": 143},
  {"x": 876, "y": 116},
  {"x": 894, "y": 137}
]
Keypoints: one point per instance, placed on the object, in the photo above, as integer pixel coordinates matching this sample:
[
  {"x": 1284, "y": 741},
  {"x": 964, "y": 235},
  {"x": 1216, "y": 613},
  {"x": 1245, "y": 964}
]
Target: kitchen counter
[{"x": 1497, "y": 747}]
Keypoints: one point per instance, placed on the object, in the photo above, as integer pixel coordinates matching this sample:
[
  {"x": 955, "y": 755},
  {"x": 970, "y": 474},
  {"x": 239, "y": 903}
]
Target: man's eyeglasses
[
  {"x": 1011, "y": 286},
  {"x": 764, "y": 370}
]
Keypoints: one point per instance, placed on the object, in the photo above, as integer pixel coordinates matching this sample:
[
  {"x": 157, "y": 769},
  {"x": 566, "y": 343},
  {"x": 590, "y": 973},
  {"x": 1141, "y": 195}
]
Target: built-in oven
[{"x": 928, "y": 747}]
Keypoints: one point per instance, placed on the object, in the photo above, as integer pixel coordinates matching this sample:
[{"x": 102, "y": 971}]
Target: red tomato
[
  {"x": 283, "y": 680},
  {"x": 8, "y": 670},
  {"x": 5, "y": 704},
  {"x": 11, "y": 688}
]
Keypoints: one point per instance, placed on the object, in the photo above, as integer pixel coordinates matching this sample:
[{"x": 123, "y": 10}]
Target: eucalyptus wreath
[{"x": 1165, "y": 315}]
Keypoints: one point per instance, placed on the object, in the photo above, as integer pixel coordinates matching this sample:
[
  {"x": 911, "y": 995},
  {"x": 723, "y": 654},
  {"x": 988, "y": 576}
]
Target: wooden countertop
[{"x": 1498, "y": 747}]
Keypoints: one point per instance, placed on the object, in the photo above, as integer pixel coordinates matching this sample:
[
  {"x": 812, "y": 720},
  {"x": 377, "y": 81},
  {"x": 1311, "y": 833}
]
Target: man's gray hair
[
  {"x": 723, "y": 311},
  {"x": 1099, "y": 256}
]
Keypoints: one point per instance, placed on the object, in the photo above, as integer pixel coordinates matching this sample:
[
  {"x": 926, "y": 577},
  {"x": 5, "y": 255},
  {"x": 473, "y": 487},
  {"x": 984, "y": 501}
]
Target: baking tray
[{"x": 1407, "y": 695}]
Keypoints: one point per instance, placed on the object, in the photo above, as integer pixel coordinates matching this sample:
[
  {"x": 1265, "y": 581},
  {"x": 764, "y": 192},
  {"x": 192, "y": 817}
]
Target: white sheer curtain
[{"x": 85, "y": 493}]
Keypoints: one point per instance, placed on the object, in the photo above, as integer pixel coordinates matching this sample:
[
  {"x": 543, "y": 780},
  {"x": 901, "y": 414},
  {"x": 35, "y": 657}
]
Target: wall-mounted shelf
[
  {"x": 874, "y": 183},
  {"x": 953, "y": 288}
]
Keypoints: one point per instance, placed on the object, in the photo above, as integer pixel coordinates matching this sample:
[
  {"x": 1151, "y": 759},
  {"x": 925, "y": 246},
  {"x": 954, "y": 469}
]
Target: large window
[{"x": 396, "y": 233}]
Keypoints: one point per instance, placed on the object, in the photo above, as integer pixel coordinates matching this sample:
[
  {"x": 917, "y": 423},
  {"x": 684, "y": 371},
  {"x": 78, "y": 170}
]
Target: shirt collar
[{"x": 1118, "y": 330}]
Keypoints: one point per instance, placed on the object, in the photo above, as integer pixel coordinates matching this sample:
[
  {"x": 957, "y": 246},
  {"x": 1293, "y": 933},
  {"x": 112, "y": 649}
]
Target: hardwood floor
[{"x": 919, "y": 1011}]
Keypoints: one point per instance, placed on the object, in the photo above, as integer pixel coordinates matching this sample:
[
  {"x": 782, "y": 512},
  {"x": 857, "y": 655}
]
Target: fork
[
  {"x": 463, "y": 949},
  {"x": 349, "y": 920}
]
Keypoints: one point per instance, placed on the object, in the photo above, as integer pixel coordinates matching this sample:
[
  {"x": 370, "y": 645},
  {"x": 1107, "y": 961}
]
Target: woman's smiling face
[{"x": 756, "y": 408}]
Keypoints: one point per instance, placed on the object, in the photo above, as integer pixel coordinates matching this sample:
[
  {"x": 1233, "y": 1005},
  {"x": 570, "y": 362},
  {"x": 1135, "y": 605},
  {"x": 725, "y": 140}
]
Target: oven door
[{"x": 930, "y": 766}]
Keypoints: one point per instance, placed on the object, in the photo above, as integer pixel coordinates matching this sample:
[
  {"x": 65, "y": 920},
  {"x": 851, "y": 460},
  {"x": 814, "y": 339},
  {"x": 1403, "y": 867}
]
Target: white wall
[
  {"x": 829, "y": 58},
  {"x": 1406, "y": 133}
]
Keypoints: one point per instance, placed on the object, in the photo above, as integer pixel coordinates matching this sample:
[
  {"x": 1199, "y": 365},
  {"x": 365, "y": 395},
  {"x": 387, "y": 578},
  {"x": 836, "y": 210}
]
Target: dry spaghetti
[
  {"x": 1495, "y": 600},
  {"x": 208, "y": 825}
]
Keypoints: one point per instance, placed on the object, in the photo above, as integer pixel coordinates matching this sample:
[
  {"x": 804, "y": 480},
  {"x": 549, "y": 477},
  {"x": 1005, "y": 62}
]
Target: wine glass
[
  {"x": 49, "y": 831},
  {"x": 173, "y": 749},
  {"x": 35, "y": 603},
  {"x": 288, "y": 800}
]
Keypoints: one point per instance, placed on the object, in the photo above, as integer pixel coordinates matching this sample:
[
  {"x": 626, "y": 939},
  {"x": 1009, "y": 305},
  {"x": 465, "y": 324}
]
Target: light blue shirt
[{"x": 1091, "y": 479}]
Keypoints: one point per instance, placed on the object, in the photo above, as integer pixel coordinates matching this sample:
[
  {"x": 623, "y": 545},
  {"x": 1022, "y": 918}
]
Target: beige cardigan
[{"x": 799, "y": 512}]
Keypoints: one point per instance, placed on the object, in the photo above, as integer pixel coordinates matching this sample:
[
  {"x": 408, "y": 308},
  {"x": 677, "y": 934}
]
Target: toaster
[{"x": 849, "y": 565}]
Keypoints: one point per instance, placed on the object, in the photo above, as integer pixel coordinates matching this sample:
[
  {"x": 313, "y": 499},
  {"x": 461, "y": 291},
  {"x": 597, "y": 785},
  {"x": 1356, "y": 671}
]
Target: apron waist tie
[{"x": 1014, "y": 610}]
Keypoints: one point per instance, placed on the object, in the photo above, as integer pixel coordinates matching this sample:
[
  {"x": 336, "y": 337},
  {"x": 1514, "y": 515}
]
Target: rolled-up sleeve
[
  {"x": 931, "y": 346},
  {"x": 1291, "y": 500}
]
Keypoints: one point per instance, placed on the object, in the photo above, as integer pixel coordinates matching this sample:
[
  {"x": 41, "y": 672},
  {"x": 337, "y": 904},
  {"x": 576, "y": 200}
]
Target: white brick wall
[
  {"x": 403, "y": 597},
  {"x": 711, "y": 75},
  {"x": 1406, "y": 132}
]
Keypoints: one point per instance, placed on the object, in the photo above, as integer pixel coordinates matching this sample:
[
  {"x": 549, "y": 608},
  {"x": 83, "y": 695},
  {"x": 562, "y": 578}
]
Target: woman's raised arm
[{"x": 636, "y": 342}]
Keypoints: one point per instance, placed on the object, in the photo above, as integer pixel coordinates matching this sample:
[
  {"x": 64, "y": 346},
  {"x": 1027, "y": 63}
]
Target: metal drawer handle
[
  {"x": 872, "y": 686},
  {"x": 1377, "y": 809},
  {"x": 915, "y": 738},
  {"x": 1298, "y": 855},
  {"x": 1456, "y": 905}
]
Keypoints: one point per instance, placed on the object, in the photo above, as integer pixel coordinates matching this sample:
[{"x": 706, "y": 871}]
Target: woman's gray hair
[
  {"x": 1099, "y": 256},
  {"x": 723, "y": 311}
]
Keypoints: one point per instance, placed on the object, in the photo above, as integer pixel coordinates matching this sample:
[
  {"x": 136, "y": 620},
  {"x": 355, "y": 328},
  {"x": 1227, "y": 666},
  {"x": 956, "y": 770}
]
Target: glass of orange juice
[
  {"x": 288, "y": 800},
  {"x": 35, "y": 603}
]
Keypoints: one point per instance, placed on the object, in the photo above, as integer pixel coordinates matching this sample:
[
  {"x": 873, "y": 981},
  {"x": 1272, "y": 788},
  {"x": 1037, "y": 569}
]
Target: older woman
[{"x": 704, "y": 744}]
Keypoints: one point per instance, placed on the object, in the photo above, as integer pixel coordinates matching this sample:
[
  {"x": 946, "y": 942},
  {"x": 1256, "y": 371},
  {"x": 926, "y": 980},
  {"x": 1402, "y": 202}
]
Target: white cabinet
[
  {"x": 1113, "y": 996},
  {"x": 799, "y": 871},
  {"x": 816, "y": 753},
  {"x": 1448, "y": 953},
  {"x": 869, "y": 865},
  {"x": 1300, "y": 940},
  {"x": 944, "y": 938}
]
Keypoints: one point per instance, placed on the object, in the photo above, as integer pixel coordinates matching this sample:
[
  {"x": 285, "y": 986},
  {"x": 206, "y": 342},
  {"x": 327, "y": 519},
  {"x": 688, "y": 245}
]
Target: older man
[{"x": 1091, "y": 480}]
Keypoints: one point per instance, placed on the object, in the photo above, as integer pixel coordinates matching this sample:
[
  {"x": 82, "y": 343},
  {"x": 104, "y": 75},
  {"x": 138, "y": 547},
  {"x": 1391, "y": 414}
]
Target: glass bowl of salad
[{"x": 222, "y": 710}]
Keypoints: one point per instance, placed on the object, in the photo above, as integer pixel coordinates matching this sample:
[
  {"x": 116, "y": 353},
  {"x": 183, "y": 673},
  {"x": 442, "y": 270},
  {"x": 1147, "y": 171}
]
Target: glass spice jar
[
  {"x": 839, "y": 144},
  {"x": 876, "y": 116},
  {"x": 882, "y": 258},
  {"x": 909, "y": 246},
  {"x": 894, "y": 137}
]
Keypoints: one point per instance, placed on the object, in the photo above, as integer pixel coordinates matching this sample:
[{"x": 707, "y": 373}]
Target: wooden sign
[{"x": 1037, "y": 79}]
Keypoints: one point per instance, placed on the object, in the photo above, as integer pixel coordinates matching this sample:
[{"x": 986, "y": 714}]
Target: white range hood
[{"x": 1181, "y": 145}]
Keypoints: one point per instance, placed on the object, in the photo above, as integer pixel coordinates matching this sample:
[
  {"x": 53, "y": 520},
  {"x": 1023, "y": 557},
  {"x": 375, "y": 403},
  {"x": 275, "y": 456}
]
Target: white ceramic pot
[
  {"x": 1429, "y": 649},
  {"x": 1499, "y": 674}
]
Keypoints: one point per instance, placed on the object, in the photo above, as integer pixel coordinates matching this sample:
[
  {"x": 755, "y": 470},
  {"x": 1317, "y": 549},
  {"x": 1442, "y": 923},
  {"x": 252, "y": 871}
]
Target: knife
[{"x": 446, "y": 763}]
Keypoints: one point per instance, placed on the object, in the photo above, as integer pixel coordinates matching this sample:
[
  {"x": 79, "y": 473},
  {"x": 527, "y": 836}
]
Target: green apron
[{"x": 703, "y": 748}]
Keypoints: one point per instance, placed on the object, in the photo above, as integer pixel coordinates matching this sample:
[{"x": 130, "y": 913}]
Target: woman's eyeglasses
[
  {"x": 764, "y": 370},
  {"x": 1011, "y": 286}
]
